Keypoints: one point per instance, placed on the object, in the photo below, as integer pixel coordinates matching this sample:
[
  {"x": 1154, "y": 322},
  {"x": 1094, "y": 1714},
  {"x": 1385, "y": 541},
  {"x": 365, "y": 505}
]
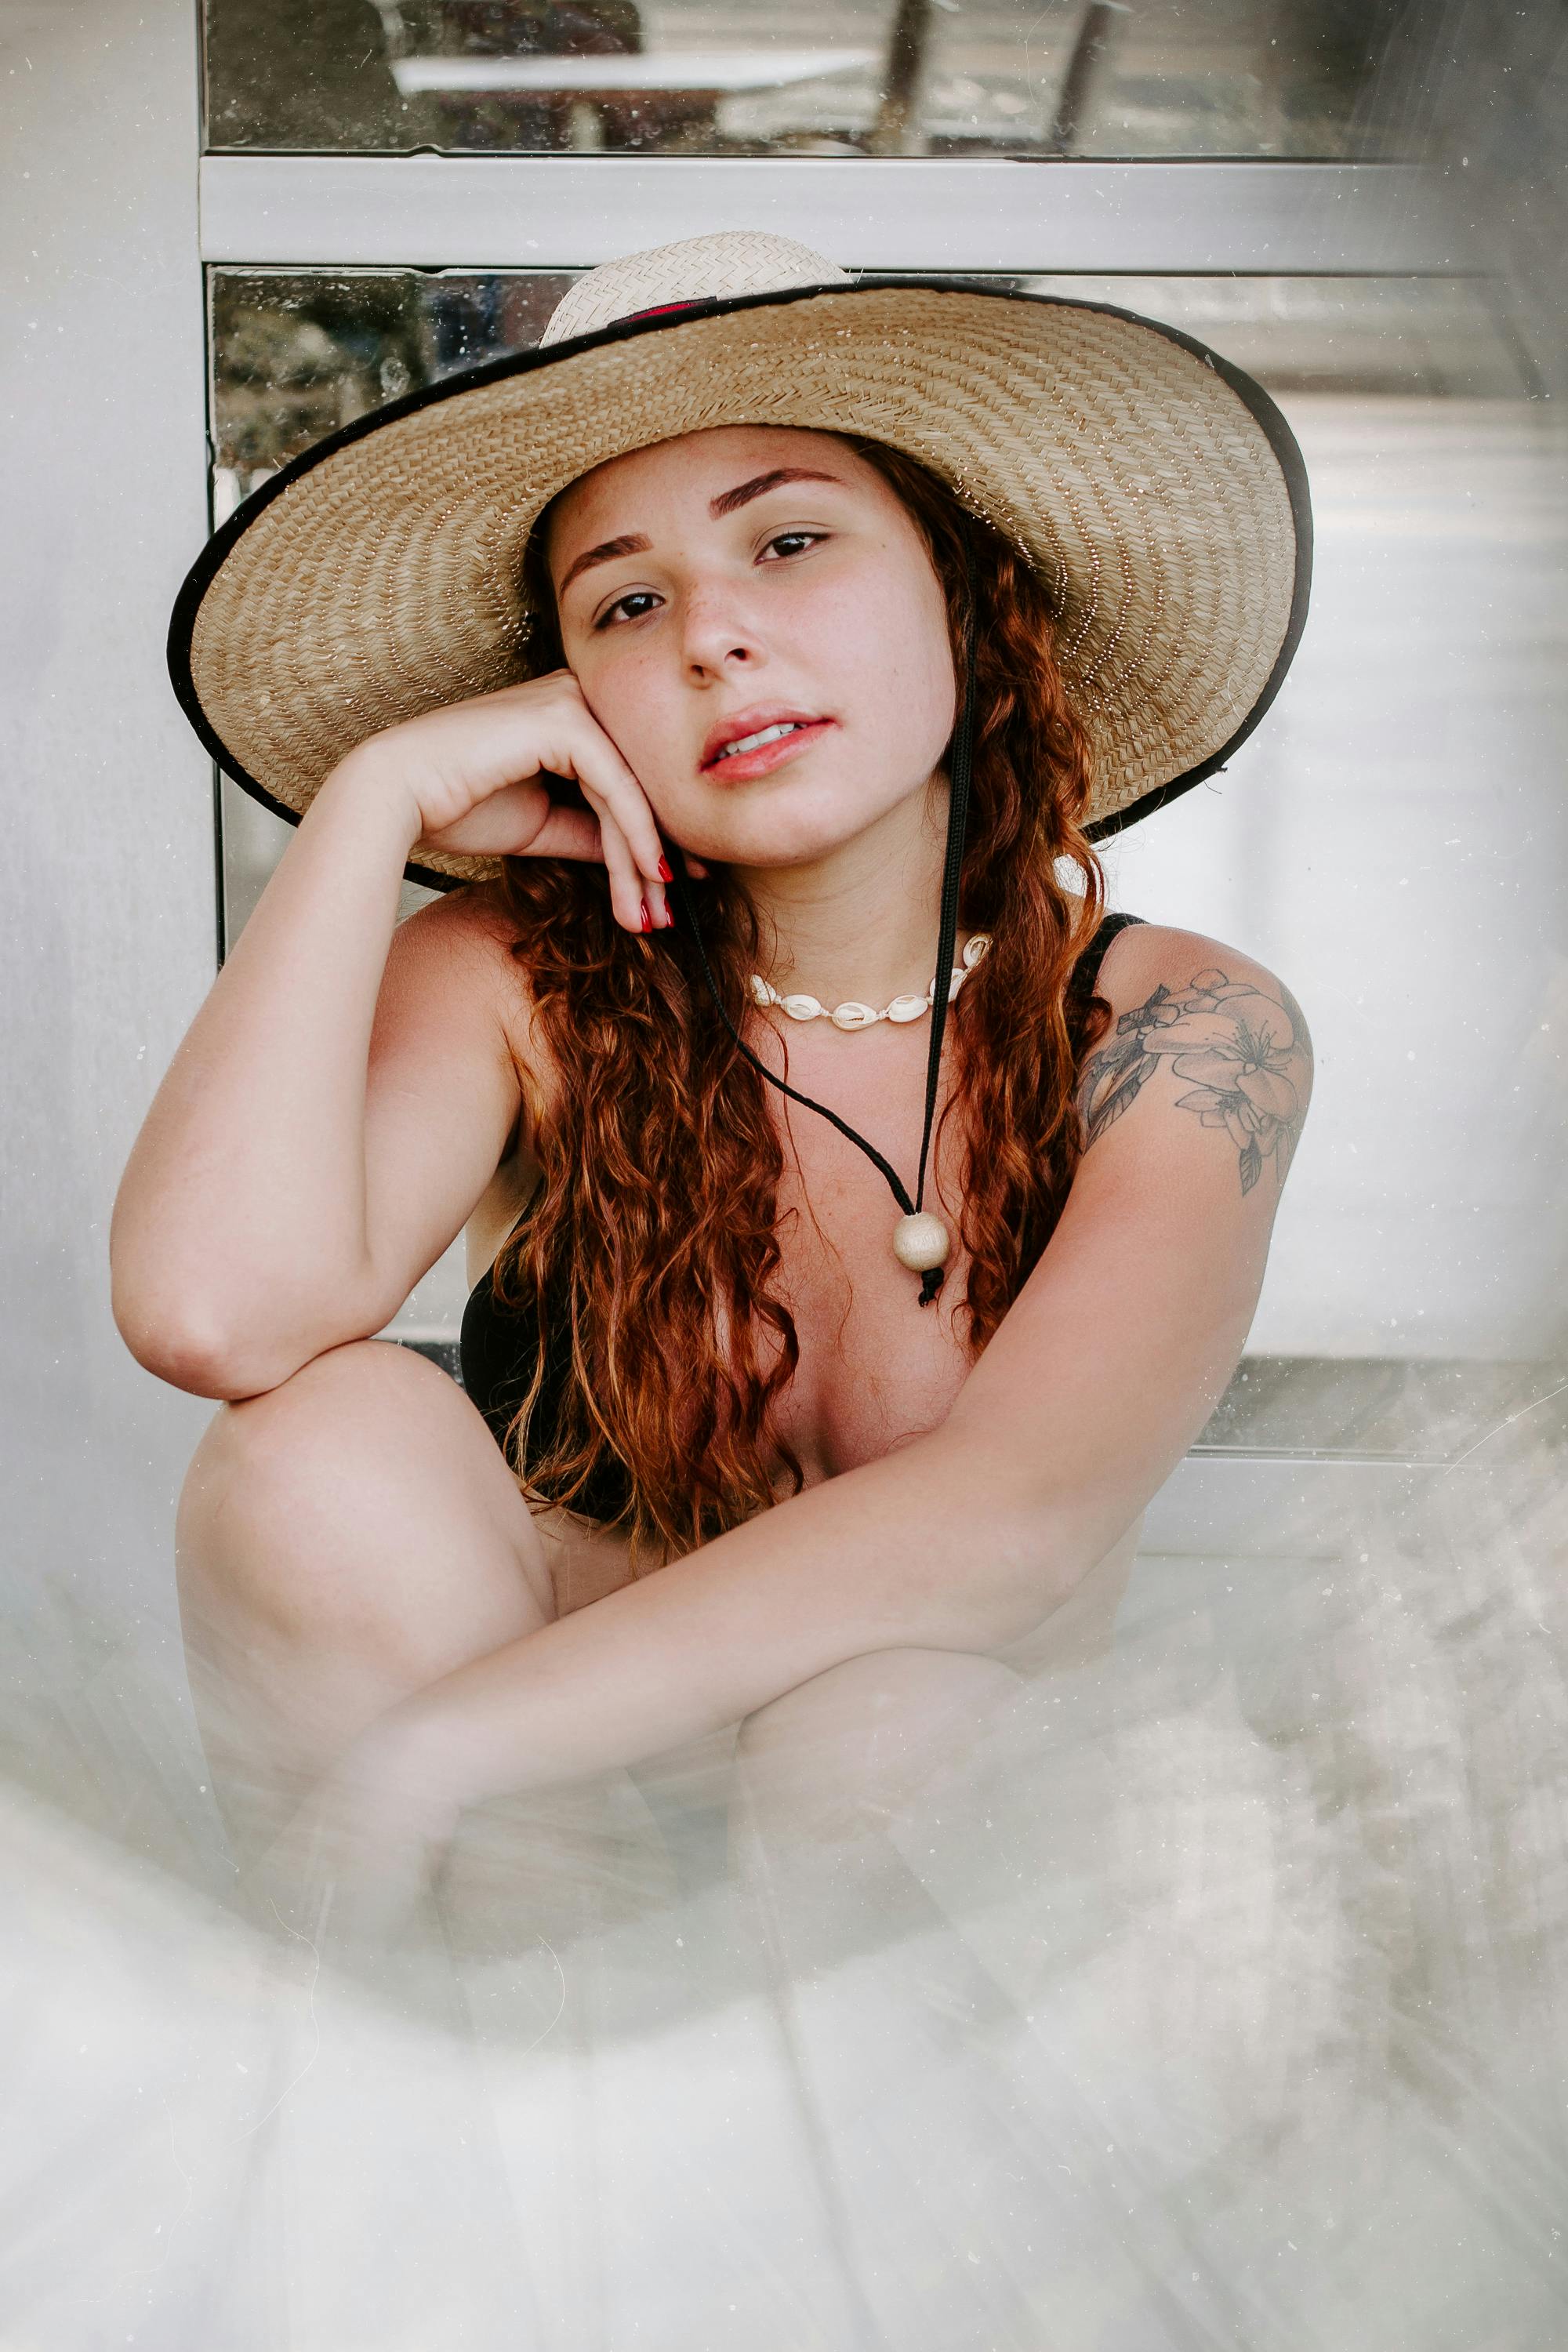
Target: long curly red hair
[{"x": 646, "y": 1264}]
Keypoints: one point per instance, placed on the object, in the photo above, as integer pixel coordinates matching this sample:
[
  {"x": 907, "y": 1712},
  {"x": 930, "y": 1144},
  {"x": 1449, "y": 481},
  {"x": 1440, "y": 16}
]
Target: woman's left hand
[{"x": 358, "y": 1857}]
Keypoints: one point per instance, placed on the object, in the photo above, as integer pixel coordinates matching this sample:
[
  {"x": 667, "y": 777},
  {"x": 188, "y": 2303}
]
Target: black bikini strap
[{"x": 1086, "y": 972}]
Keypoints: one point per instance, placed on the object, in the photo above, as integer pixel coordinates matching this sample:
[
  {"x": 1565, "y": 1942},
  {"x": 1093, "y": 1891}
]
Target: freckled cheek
[
  {"x": 889, "y": 649},
  {"x": 641, "y": 708}
]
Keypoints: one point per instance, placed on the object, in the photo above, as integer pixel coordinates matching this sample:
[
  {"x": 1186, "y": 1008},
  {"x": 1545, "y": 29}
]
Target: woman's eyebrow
[
  {"x": 631, "y": 543},
  {"x": 634, "y": 544},
  {"x": 728, "y": 500}
]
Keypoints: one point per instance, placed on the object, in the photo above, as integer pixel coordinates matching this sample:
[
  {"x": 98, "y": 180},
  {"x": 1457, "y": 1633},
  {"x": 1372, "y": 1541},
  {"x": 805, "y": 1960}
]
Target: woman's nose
[{"x": 718, "y": 635}]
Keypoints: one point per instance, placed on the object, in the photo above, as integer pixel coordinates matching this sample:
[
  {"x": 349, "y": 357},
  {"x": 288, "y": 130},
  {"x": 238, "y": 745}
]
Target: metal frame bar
[
  {"x": 1283, "y": 1506},
  {"x": 982, "y": 216}
]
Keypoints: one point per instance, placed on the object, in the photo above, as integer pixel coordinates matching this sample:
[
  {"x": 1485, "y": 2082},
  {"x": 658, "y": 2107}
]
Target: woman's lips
[{"x": 740, "y": 767}]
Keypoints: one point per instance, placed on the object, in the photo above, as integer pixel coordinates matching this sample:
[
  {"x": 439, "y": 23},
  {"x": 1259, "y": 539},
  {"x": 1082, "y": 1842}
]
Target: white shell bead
[
  {"x": 921, "y": 1241},
  {"x": 853, "y": 1014}
]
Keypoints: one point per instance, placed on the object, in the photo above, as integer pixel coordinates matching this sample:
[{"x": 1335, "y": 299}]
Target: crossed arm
[{"x": 1105, "y": 1369}]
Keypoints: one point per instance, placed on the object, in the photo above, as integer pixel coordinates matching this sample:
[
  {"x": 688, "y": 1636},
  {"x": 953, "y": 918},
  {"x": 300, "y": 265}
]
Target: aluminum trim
[{"x": 966, "y": 214}]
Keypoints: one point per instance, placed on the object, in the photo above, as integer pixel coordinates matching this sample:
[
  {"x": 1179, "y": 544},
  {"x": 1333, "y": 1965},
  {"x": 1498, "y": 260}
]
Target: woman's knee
[
  {"x": 305, "y": 1508},
  {"x": 870, "y": 1732},
  {"x": 274, "y": 1472}
]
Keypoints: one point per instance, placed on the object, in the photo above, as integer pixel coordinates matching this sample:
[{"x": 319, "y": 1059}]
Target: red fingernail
[
  {"x": 670, "y": 918},
  {"x": 646, "y": 918},
  {"x": 665, "y": 874}
]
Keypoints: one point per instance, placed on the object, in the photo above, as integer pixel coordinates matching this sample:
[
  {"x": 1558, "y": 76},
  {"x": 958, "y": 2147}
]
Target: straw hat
[{"x": 1156, "y": 487}]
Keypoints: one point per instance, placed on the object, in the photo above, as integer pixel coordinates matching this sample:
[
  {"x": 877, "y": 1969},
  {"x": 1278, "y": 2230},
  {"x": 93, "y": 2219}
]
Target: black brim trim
[
  {"x": 1287, "y": 455},
  {"x": 1264, "y": 413}
]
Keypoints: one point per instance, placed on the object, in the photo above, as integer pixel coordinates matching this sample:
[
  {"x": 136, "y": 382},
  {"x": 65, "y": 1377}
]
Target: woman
[{"x": 761, "y": 562}]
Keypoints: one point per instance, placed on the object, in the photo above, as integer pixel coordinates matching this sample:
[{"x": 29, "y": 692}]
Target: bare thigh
[{"x": 343, "y": 1541}]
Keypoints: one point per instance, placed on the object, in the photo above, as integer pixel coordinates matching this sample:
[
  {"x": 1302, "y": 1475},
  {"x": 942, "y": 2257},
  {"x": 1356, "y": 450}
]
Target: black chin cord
[{"x": 958, "y": 774}]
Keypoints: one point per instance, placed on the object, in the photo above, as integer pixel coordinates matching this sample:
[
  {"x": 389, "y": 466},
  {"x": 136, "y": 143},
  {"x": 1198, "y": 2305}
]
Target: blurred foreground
[{"x": 1211, "y": 1992}]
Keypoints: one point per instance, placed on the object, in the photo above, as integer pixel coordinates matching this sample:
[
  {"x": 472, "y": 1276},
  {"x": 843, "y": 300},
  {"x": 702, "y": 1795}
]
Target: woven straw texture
[
  {"x": 385, "y": 578},
  {"x": 697, "y": 269}
]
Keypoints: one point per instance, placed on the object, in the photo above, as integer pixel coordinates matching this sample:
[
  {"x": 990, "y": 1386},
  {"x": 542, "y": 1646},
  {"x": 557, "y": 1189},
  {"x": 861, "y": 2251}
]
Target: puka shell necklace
[{"x": 853, "y": 1014}]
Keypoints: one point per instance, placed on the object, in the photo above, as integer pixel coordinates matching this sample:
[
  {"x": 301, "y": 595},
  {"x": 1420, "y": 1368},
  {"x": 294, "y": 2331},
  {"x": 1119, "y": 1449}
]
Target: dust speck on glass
[{"x": 1172, "y": 78}]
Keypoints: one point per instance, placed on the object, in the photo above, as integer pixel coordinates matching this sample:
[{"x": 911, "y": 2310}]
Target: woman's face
[{"x": 754, "y": 619}]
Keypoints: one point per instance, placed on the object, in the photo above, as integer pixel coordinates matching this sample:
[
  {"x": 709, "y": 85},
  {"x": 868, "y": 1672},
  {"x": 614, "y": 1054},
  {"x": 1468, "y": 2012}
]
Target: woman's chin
[
  {"x": 768, "y": 851},
  {"x": 767, "y": 837}
]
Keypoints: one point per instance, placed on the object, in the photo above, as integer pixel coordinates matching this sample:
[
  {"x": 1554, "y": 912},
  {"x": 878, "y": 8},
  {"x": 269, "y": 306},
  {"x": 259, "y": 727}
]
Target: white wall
[
  {"x": 107, "y": 941},
  {"x": 1394, "y": 842}
]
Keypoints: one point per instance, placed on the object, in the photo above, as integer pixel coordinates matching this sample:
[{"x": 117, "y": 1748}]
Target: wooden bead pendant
[{"x": 922, "y": 1242}]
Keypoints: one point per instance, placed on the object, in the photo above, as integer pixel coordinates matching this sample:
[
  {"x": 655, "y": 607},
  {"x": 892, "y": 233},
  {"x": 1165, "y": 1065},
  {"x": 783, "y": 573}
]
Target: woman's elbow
[
  {"x": 186, "y": 1338},
  {"x": 175, "y": 1344}
]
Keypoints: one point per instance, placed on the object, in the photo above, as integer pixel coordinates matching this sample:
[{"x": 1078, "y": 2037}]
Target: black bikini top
[{"x": 497, "y": 1348}]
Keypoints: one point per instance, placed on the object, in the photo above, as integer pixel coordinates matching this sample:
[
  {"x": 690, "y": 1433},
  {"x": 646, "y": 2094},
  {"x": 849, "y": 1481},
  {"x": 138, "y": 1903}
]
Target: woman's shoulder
[
  {"x": 1222, "y": 1027},
  {"x": 456, "y": 956},
  {"x": 1145, "y": 962},
  {"x": 469, "y": 923},
  {"x": 462, "y": 942}
]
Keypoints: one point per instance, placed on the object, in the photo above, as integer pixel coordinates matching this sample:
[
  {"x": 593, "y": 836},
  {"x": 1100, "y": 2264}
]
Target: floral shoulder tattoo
[{"x": 1245, "y": 1058}]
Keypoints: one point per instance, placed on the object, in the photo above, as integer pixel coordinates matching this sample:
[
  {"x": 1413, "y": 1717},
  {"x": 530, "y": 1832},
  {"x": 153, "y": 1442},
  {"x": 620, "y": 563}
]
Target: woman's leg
[
  {"x": 861, "y": 1742},
  {"x": 856, "y": 1745},
  {"x": 834, "y": 1789},
  {"x": 841, "y": 1788},
  {"x": 342, "y": 1542}
]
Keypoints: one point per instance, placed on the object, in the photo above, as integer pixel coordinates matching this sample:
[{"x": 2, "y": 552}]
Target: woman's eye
[
  {"x": 630, "y": 607},
  {"x": 792, "y": 541}
]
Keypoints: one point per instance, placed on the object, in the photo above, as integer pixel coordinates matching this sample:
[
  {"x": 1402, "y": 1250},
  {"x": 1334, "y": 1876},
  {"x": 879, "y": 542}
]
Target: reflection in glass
[
  {"x": 1093, "y": 78},
  {"x": 297, "y": 354}
]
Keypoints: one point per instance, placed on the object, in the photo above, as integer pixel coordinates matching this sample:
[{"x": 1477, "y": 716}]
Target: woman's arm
[
  {"x": 344, "y": 1093},
  {"x": 281, "y": 1199},
  {"x": 1104, "y": 1370}
]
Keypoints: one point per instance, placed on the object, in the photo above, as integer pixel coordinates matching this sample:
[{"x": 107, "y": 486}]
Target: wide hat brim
[{"x": 1155, "y": 486}]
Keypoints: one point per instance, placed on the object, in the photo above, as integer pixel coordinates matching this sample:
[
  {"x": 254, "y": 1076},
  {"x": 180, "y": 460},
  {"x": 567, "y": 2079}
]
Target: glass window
[
  {"x": 1406, "y": 778},
  {"x": 1173, "y": 78},
  {"x": 297, "y": 355}
]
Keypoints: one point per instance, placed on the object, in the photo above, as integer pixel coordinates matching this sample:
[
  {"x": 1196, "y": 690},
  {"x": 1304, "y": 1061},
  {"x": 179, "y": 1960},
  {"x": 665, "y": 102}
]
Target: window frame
[{"x": 982, "y": 216}]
